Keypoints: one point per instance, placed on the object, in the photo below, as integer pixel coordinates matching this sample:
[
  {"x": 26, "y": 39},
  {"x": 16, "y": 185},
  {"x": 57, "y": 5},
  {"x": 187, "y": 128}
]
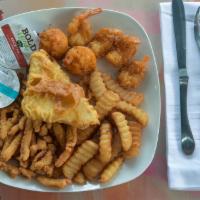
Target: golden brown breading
[
  {"x": 124, "y": 49},
  {"x": 54, "y": 41},
  {"x": 80, "y": 60},
  {"x": 132, "y": 75},
  {"x": 79, "y": 29},
  {"x": 51, "y": 108},
  {"x": 103, "y": 40}
]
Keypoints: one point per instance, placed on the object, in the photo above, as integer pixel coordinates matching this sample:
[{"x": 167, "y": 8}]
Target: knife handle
[
  {"x": 187, "y": 139},
  {"x": 185, "y": 127}
]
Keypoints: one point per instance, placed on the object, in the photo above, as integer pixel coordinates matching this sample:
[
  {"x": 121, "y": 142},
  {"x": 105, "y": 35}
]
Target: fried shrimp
[
  {"x": 132, "y": 75},
  {"x": 54, "y": 41},
  {"x": 80, "y": 60},
  {"x": 79, "y": 29},
  {"x": 103, "y": 40},
  {"x": 123, "y": 50}
]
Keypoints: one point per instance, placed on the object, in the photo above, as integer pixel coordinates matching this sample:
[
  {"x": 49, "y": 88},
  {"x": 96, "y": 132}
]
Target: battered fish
[{"x": 50, "y": 96}]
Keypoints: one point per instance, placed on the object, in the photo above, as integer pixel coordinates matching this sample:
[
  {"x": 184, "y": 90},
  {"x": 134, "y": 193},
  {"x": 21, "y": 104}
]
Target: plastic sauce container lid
[
  {"x": 9, "y": 86},
  {"x": 17, "y": 43}
]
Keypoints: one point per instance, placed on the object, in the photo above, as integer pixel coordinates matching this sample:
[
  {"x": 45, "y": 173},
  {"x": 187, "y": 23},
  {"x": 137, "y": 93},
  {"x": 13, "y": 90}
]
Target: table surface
[{"x": 152, "y": 184}]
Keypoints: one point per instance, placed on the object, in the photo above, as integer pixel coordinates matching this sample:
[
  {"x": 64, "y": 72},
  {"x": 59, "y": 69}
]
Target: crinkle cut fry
[
  {"x": 111, "y": 170},
  {"x": 84, "y": 153},
  {"x": 123, "y": 128},
  {"x": 93, "y": 168},
  {"x": 106, "y": 103},
  {"x": 105, "y": 142},
  {"x": 79, "y": 178},
  {"x": 136, "y": 130},
  {"x": 136, "y": 112},
  {"x": 131, "y": 97},
  {"x": 97, "y": 85}
]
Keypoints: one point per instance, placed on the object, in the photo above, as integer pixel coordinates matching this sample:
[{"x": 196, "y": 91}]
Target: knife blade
[
  {"x": 197, "y": 27},
  {"x": 187, "y": 140}
]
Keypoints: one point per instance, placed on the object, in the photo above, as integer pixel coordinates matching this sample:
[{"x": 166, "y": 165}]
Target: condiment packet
[{"x": 17, "y": 42}]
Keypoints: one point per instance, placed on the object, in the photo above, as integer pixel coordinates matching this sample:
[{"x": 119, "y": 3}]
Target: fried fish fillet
[{"x": 50, "y": 96}]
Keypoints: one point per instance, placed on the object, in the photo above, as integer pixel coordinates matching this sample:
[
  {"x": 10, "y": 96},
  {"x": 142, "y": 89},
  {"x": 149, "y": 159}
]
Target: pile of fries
[{"x": 58, "y": 155}]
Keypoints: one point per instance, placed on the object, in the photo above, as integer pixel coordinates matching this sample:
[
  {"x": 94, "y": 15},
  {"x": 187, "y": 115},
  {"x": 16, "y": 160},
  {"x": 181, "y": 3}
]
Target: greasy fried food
[
  {"x": 137, "y": 113},
  {"x": 22, "y": 123},
  {"x": 17, "y": 127},
  {"x": 59, "y": 132},
  {"x": 48, "y": 139},
  {"x": 111, "y": 170},
  {"x": 123, "y": 128},
  {"x": 132, "y": 75},
  {"x": 7, "y": 124},
  {"x": 80, "y": 60},
  {"x": 54, "y": 41},
  {"x": 10, "y": 149},
  {"x": 116, "y": 145},
  {"x": 37, "y": 125},
  {"x": 42, "y": 163},
  {"x": 84, "y": 134},
  {"x": 70, "y": 144},
  {"x": 79, "y": 29},
  {"x": 26, "y": 173},
  {"x": 106, "y": 103},
  {"x": 84, "y": 153},
  {"x": 79, "y": 179},
  {"x": 124, "y": 49},
  {"x": 131, "y": 97},
  {"x": 97, "y": 85},
  {"x": 10, "y": 169},
  {"x": 40, "y": 145},
  {"x": 136, "y": 130},
  {"x": 51, "y": 182},
  {"x": 55, "y": 105},
  {"x": 105, "y": 142},
  {"x": 93, "y": 168},
  {"x": 43, "y": 130},
  {"x": 26, "y": 140},
  {"x": 103, "y": 40}
]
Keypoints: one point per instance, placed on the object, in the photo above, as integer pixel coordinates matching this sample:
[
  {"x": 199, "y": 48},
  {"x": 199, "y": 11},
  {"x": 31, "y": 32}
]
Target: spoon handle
[{"x": 187, "y": 139}]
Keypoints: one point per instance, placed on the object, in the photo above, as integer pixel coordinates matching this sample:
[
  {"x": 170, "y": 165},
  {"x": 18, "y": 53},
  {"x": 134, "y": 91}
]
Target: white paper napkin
[{"x": 183, "y": 171}]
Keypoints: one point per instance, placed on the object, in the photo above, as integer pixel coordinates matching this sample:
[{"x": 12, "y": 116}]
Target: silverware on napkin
[{"x": 187, "y": 140}]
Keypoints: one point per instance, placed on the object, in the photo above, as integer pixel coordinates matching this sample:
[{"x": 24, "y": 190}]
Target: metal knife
[
  {"x": 197, "y": 27},
  {"x": 187, "y": 140}
]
